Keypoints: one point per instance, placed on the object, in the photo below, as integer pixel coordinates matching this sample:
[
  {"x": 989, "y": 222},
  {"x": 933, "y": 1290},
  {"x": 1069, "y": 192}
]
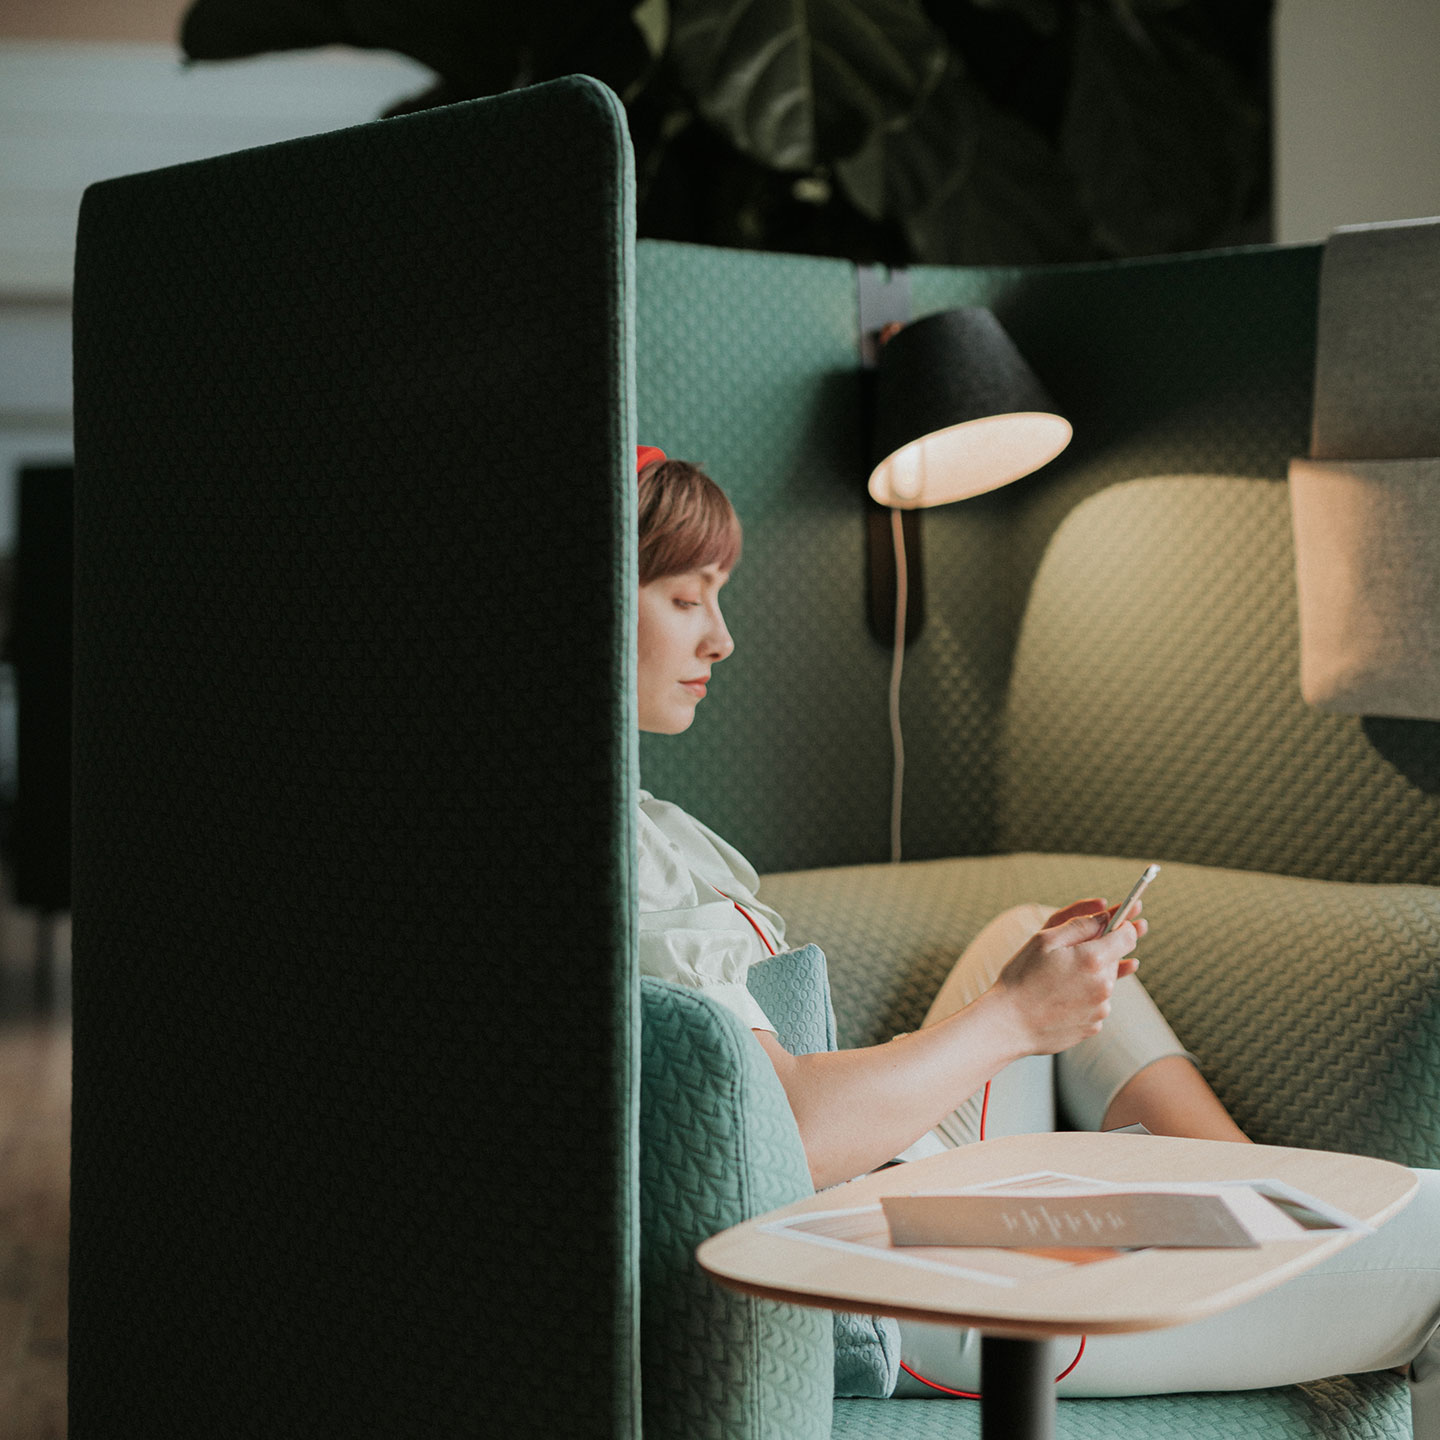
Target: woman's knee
[
  {"x": 1013, "y": 927},
  {"x": 1032, "y": 914},
  {"x": 985, "y": 956}
]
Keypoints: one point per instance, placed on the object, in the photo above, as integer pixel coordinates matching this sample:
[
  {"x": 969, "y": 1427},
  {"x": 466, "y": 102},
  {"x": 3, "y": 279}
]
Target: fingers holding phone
[{"x": 1129, "y": 908}]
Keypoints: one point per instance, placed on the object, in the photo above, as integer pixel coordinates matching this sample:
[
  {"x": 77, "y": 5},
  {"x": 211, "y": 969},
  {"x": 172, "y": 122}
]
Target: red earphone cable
[
  {"x": 943, "y": 1389},
  {"x": 1073, "y": 1363},
  {"x": 769, "y": 948},
  {"x": 971, "y": 1394},
  {"x": 975, "y": 1394}
]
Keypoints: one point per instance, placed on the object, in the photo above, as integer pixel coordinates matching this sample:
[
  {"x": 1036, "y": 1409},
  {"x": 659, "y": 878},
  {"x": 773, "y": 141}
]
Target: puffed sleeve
[{"x": 690, "y": 937}]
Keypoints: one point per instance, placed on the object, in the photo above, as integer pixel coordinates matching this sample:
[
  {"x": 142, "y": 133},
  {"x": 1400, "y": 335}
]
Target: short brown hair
[{"x": 686, "y": 521}]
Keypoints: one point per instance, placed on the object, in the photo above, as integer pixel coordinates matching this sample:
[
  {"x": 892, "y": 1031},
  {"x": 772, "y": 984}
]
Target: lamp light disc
[{"x": 968, "y": 459}]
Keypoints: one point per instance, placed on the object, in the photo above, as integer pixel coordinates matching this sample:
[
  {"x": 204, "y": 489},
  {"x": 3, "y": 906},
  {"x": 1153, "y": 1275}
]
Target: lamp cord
[
  {"x": 897, "y": 790},
  {"x": 897, "y": 664}
]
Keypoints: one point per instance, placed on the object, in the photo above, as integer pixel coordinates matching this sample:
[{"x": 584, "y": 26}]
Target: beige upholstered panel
[
  {"x": 1154, "y": 704},
  {"x": 1367, "y": 551},
  {"x": 1313, "y": 1006}
]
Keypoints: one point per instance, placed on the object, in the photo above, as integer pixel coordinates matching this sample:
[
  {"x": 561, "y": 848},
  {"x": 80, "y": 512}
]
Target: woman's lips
[{"x": 695, "y": 687}]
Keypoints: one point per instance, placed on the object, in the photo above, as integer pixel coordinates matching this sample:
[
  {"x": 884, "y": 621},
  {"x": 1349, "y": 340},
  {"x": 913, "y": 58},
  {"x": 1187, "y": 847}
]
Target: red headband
[{"x": 646, "y": 455}]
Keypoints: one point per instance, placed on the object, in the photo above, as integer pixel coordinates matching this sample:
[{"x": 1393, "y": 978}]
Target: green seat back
[{"x": 1374, "y": 1406}]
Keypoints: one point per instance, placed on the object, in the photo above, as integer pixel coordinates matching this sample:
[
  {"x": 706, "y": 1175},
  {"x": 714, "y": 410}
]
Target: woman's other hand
[{"x": 1058, "y": 984}]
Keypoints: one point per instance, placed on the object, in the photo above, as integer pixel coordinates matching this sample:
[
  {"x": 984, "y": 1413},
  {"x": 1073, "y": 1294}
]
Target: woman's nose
[{"x": 717, "y": 639}]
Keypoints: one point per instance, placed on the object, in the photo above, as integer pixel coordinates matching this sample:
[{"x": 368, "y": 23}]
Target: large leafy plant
[{"x": 934, "y": 131}]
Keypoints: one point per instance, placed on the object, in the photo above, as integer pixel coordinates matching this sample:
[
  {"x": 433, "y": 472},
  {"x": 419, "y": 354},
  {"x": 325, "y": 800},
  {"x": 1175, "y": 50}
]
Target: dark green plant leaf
[
  {"x": 478, "y": 57},
  {"x": 1042, "y": 16},
  {"x": 798, "y": 83},
  {"x": 1163, "y": 144},
  {"x": 1018, "y": 206},
  {"x": 694, "y": 186},
  {"x": 969, "y": 183},
  {"x": 930, "y": 160},
  {"x": 232, "y": 29},
  {"x": 475, "y": 50}
]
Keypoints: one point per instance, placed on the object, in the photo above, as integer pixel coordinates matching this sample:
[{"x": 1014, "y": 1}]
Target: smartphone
[{"x": 1118, "y": 918}]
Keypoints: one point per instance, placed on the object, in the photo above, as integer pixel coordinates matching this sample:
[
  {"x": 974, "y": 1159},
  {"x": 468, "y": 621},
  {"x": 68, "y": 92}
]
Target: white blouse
[{"x": 690, "y": 931}]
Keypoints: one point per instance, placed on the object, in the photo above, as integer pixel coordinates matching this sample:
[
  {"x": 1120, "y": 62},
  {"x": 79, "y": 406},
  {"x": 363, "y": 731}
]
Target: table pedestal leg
[{"x": 1017, "y": 1380}]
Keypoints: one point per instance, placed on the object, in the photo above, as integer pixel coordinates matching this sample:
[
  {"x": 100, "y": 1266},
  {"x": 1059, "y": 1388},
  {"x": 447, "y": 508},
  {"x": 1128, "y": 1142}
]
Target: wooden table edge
[{"x": 1042, "y": 1328}]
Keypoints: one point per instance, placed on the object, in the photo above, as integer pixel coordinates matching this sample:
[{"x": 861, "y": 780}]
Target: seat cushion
[
  {"x": 1354, "y": 1407},
  {"x": 1312, "y": 1005},
  {"x": 794, "y": 991}
]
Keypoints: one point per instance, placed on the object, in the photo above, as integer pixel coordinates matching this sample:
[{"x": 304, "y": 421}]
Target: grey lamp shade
[{"x": 958, "y": 412}]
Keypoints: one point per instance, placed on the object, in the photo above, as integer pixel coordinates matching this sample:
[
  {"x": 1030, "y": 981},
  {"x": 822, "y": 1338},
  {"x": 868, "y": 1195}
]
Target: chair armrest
[{"x": 718, "y": 1145}]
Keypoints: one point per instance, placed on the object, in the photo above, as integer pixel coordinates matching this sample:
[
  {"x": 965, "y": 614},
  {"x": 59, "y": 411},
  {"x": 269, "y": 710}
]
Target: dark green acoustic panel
[
  {"x": 748, "y": 364},
  {"x": 1201, "y": 365},
  {"x": 353, "y": 416}
]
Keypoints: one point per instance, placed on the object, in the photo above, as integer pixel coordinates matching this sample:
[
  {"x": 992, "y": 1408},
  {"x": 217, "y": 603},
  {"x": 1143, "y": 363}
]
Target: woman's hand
[
  {"x": 858, "y": 1108},
  {"x": 1094, "y": 907},
  {"x": 1058, "y": 984}
]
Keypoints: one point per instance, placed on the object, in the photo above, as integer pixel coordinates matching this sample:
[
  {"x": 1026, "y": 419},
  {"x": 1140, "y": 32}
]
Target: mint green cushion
[
  {"x": 1353, "y": 1407},
  {"x": 793, "y": 988},
  {"x": 718, "y": 1145}
]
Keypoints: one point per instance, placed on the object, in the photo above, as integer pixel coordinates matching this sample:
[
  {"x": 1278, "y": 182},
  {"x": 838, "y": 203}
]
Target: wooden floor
[{"x": 34, "y": 1183}]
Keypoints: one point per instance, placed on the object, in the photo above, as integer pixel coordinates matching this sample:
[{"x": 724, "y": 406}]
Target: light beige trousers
[{"x": 1084, "y": 1079}]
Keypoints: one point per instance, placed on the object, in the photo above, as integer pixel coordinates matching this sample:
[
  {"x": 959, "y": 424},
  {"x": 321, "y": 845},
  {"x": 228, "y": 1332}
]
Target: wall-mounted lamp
[{"x": 957, "y": 412}]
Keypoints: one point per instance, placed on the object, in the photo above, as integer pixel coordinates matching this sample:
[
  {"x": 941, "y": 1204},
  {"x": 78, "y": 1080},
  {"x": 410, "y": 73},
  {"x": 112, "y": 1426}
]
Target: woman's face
[{"x": 682, "y": 637}]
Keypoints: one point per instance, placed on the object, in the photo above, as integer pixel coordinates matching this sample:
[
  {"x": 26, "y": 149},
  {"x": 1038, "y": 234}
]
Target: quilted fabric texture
[
  {"x": 794, "y": 991},
  {"x": 718, "y": 1145},
  {"x": 321, "y": 607},
  {"x": 1155, "y": 702},
  {"x": 1313, "y": 1006},
  {"x": 1356, "y": 1407},
  {"x": 1198, "y": 363},
  {"x": 1377, "y": 354}
]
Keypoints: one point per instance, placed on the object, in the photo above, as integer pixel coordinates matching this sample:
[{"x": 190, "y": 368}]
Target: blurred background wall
[{"x": 1357, "y": 114}]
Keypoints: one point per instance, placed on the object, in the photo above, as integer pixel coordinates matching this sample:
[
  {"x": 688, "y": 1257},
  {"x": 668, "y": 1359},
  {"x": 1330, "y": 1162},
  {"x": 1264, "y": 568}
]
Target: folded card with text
[{"x": 1224, "y": 1216}]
